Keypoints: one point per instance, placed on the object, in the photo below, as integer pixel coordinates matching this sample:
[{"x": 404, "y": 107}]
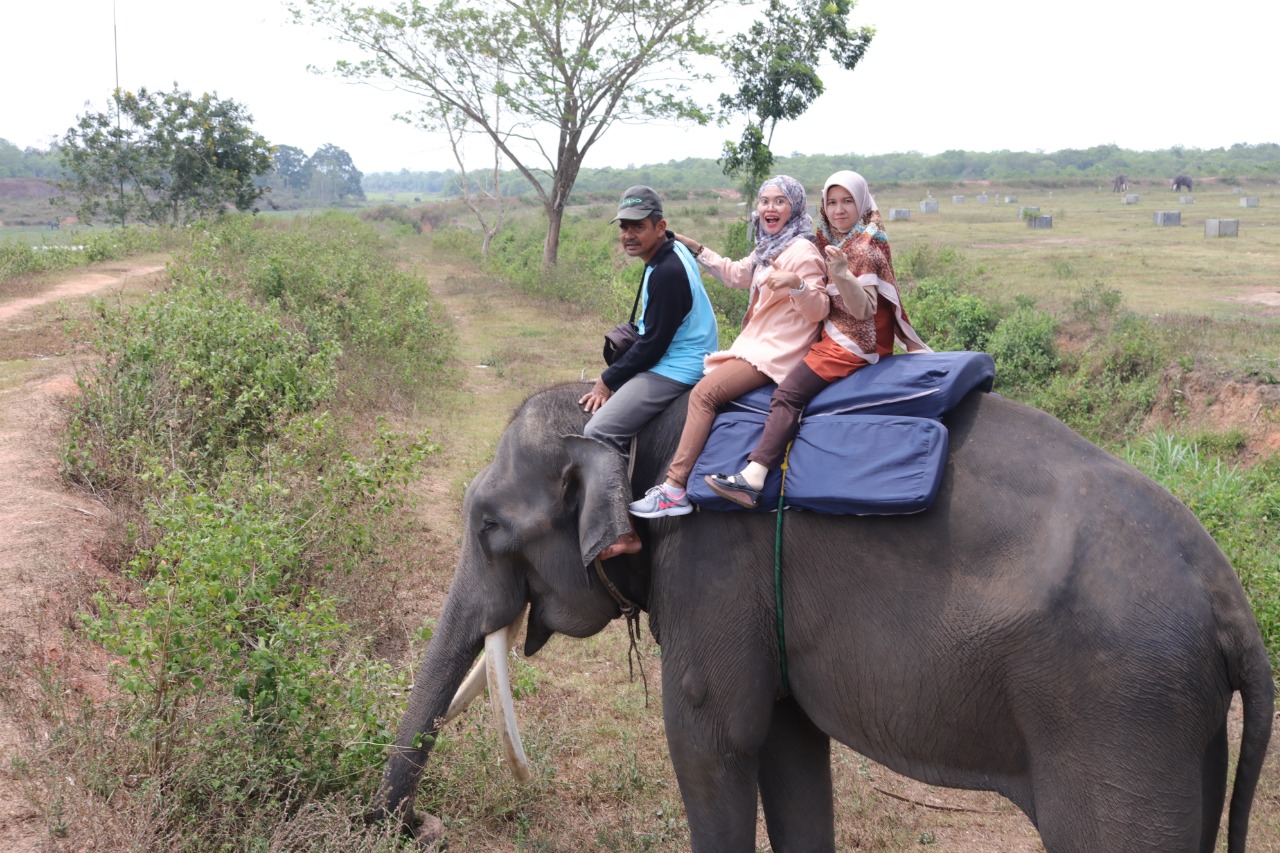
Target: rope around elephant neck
[{"x": 777, "y": 572}]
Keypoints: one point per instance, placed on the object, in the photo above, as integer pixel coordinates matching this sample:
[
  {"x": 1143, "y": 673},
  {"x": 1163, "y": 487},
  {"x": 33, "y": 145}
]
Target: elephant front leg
[
  {"x": 795, "y": 783},
  {"x": 718, "y": 786},
  {"x": 715, "y": 737}
]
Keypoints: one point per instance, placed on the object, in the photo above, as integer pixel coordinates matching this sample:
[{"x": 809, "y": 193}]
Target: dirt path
[{"x": 48, "y": 531}]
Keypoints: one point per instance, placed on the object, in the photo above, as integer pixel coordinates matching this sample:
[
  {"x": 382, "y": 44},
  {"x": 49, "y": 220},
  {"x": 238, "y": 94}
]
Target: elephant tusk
[
  {"x": 504, "y": 712},
  {"x": 473, "y": 685}
]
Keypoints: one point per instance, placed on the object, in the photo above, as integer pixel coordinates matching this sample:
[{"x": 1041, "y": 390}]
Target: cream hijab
[{"x": 857, "y": 187}]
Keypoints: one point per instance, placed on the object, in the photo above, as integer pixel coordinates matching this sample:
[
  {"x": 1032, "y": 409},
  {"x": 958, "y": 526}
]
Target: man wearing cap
[{"x": 677, "y": 329}]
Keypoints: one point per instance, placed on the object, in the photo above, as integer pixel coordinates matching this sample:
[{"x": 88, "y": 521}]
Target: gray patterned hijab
[{"x": 798, "y": 227}]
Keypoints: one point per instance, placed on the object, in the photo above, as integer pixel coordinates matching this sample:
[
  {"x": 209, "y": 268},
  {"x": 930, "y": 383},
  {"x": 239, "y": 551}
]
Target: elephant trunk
[{"x": 436, "y": 698}]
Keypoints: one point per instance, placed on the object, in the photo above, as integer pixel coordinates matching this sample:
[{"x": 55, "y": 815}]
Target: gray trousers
[{"x": 640, "y": 399}]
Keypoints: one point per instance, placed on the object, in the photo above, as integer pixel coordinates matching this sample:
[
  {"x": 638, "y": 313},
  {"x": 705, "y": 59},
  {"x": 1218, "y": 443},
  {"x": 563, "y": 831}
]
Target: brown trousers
[
  {"x": 785, "y": 407},
  {"x": 727, "y": 381}
]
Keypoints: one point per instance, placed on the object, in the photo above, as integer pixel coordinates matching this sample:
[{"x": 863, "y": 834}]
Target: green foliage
[
  {"x": 250, "y": 700},
  {"x": 775, "y": 64},
  {"x": 1069, "y": 167},
  {"x": 1023, "y": 345},
  {"x": 231, "y": 666},
  {"x": 163, "y": 158},
  {"x": 18, "y": 258},
  {"x": 1239, "y": 507},
  {"x": 185, "y": 380},
  {"x": 334, "y": 277},
  {"x": 29, "y": 163},
  {"x": 949, "y": 319}
]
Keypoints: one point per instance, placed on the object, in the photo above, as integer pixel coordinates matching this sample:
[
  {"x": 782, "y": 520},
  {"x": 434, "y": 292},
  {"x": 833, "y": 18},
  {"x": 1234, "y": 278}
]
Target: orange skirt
[{"x": 831, "y": 361}]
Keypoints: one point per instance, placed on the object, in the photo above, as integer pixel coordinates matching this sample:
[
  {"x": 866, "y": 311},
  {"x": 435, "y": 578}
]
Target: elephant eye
[{"x": 488, "y": 525}]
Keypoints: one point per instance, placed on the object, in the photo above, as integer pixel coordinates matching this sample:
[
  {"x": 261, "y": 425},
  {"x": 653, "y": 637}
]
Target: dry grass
[{"x": 1097, "y": 238}]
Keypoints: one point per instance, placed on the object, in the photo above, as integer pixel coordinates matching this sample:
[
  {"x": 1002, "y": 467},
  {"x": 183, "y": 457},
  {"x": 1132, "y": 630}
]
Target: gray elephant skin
[{"x": 1057, "y": 628}]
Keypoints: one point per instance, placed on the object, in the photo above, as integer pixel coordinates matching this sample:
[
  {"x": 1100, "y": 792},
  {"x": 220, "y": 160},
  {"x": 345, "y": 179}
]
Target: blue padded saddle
[{"x": 868, "y": 444}]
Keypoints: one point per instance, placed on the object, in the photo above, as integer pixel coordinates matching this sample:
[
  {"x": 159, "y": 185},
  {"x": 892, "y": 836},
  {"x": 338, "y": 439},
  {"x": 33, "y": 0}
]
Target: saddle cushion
[{"x": 838, "y": 464}]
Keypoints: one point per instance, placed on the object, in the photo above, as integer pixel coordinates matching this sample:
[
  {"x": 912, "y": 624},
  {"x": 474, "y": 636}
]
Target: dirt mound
[
  {"x": 1209, "y": 402},
  {"x": 14, "y": 188}
]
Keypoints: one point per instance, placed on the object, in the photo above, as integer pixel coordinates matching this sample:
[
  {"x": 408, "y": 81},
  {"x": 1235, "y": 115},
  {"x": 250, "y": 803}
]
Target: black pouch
[{"x": 620, "y": 338}]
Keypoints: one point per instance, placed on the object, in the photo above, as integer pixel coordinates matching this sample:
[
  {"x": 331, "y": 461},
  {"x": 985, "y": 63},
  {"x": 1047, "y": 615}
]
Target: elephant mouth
[{"x": 491, "y": 669}]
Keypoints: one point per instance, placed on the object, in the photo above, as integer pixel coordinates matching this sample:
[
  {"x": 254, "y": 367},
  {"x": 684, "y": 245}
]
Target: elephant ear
[{"x": 599, "y": 474}]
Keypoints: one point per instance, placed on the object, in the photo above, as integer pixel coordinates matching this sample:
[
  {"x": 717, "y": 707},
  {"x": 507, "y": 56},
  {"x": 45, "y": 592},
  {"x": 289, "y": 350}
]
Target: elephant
[
  {"x": 1057, "y": 628},
  {"x": 1120, "y": 184},
  {"x": 1181, "y": 182}
]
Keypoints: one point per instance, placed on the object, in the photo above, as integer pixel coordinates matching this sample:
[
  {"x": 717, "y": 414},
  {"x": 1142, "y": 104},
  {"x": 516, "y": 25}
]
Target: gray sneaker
[{"x": 656, "y": 503}]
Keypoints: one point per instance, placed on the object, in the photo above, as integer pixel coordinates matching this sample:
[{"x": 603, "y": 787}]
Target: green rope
[{"x": 777, "y": 574}]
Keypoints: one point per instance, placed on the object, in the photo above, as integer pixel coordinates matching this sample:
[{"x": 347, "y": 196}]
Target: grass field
[{"x": 1097, "y": 238}]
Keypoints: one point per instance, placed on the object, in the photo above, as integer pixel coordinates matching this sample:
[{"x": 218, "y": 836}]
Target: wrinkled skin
[
  {"x": 1182, "y": 182},
  {"x": 1058, "y": 628}
]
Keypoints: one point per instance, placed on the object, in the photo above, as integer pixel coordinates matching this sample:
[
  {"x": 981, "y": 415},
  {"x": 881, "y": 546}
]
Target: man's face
[{"x": 641, "y": 238}]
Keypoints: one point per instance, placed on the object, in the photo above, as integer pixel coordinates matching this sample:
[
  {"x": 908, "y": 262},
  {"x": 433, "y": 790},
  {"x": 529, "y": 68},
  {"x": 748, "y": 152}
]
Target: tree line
[{"x": 1241, "y": 162}]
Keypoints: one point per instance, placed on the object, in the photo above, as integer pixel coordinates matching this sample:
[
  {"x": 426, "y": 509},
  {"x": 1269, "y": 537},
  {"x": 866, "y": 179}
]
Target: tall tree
[
  {"x": 290, "y": 166},
  {"x": 563, "y": 72},
  {"x": 331, "y": 175},
  {"x": 775, "y": 65},
  {"x": 164, "y": 158}
]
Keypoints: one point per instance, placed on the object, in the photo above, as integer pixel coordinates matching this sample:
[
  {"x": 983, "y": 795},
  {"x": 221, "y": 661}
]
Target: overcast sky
[{"x": 978, "y": 75}]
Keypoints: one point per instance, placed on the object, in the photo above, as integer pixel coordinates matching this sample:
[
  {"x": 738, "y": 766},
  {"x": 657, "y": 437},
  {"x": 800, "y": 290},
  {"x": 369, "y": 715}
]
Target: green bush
[
  {"x": 335, "y": 277},
  {"x": 241, "y": 684},
  {"x": 185, "y": 380},
  {"x": 1108, "y": 391},
  {"x": 1023, "y": 346},
  {"x": 947, "y": 318},
  {"x": 19, "y": 257}
]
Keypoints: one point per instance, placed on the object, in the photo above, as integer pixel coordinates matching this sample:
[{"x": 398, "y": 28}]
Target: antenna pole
[{"x": 115, "y": 43}]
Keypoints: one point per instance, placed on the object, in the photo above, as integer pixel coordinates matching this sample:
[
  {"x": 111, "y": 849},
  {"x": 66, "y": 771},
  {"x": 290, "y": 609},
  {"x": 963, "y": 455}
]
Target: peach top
[{"x": 780, "y": 325}]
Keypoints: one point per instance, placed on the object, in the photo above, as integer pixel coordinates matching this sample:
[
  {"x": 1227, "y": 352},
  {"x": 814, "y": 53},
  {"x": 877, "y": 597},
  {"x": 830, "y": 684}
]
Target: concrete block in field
[
  {"x": 1038, "y": 221},
  {"x": 957, "y": 199},
  {"x": 982, "y": 199},
  {"x": 1222, "y": 228},
  {"x": 929, "y": 206},
  {"x": 899, "y": 214},
  {"x": 1186, "y": 199},
  {"x": 1168, "y": 217},
  {"x": 1024, "y": 212},
  {"x": 1249, "y": 202},
  {"x": 1130, "y": 199},
  {"x": 1011, "y": 199}
]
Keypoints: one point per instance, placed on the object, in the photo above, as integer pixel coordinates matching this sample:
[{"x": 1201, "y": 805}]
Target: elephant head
[{"x": 534, "y": 521}]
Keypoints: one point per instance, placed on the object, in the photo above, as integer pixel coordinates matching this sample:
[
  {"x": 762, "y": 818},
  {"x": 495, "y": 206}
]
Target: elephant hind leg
[
  {"x": 795, "y": 783},
  {"x": 1214, "y": 776},
  {"x": 1101, "y": 804}
]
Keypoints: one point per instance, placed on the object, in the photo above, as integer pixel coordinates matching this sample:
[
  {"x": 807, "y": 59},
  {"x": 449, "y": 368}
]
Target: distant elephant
[
  {"x": 1120, "y": 184},
  {"x": 1057, "y": 628},
  {"x": 1182, "y": 182}
]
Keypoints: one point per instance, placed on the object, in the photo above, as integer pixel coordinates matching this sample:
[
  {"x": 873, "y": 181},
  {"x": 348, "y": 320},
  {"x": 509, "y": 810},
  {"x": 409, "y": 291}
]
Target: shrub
[
  {"x": 185, "y": 380},
  {"x": 1024, "y": 349},
  {"x": 337, "y": 279},
  {"x": 948, "y": 319},
  {"x": 235, "y": 675}
]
